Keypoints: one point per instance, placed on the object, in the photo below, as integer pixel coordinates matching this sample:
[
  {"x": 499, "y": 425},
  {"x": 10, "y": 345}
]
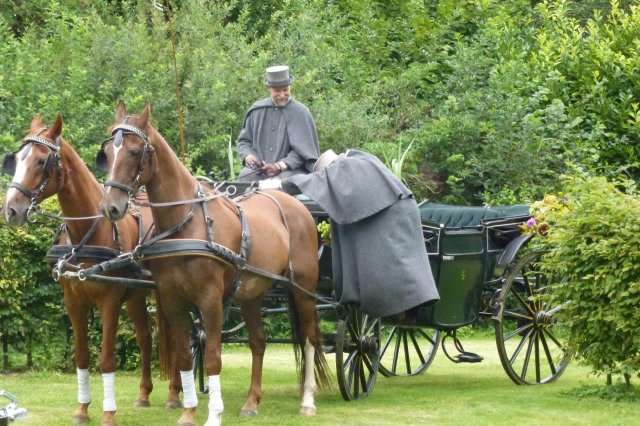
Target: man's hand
[
  {"x": 252, "y": 161},
  {"x": 271, "y": 170}
]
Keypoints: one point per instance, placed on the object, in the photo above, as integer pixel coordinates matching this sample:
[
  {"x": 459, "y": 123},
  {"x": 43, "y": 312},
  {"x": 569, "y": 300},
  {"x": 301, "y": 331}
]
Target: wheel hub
[
  {"x": 543, "y": 318},
  {"x": 368, "y": 344}
]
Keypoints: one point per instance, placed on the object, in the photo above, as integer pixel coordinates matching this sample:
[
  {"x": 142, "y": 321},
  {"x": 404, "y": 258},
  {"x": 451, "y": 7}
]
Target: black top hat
[{"x": 278, "y": 76}]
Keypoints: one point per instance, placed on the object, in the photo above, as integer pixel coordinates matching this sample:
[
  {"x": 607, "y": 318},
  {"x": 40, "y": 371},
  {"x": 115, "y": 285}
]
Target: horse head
[
  {"x": 127, "y": 157},
  {"x": 36, "y": 170}
]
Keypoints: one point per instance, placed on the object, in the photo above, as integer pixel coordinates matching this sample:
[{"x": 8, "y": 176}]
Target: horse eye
[
  {"x": 41, "y": 162},
  {"x": 134, "y": 153}
]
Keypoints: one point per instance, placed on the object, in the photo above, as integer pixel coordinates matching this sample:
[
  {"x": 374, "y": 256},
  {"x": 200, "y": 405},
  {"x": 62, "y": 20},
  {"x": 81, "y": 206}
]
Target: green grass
[{"x": 447, "y": 394}]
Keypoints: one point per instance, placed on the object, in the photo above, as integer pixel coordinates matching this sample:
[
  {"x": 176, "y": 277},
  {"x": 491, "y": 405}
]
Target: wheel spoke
[
  {"x": 417, "y": 349},
  {"x": 518, "y": 331},
  {"x": 516, "y": 352},
  {"x": 547, "y": 353},
  {"x": 527, "y": 358}
]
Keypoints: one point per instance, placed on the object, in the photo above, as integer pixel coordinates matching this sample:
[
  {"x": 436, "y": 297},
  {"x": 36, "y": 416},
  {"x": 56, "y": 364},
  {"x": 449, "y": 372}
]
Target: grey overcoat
[
  {"x": 378, "y": 252},
  {"x": 279, "y": 134}
]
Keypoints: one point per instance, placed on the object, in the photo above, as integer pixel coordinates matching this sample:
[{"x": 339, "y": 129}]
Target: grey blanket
[{"x": 378, "y": 252}]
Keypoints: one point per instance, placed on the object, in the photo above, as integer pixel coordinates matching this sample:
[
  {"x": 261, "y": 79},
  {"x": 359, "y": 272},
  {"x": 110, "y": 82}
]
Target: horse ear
[
  {"x": 121, "y": 111},
  {"x": 56, "y": 131},
  {"x": 36, "y": 122},
  {"x": 145, "y": 116}
]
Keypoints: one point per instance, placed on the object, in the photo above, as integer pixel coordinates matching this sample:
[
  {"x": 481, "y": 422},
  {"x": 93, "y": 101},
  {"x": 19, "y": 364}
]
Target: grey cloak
[
  {"x": 378, "y": 252},
  {"x": 279, "y": 134}
]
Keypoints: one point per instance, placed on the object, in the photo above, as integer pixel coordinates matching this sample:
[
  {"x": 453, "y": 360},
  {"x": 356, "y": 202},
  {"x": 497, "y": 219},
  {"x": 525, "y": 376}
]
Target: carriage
[
  {"x": 483, "y": 271},
  {"x": 483, "y": 266}
]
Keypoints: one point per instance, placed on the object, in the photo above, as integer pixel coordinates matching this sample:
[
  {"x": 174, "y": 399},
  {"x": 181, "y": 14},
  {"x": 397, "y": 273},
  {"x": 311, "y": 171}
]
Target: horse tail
[
  {"x": 321, "y": 369},
  {"x": 163, "y": 339}
]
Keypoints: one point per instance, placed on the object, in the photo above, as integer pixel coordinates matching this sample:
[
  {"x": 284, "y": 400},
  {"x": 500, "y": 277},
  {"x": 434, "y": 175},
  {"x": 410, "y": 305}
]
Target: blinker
[
  {"x": 9, "y": 164},
  {"x": 101, "y": 159}
]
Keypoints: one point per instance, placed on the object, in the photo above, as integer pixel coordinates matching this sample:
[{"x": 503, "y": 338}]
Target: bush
[{"x": 593, "y": 242}]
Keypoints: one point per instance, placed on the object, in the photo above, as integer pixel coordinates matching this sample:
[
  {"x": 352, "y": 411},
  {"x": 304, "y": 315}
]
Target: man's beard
[{"x": 281, "y": 101}]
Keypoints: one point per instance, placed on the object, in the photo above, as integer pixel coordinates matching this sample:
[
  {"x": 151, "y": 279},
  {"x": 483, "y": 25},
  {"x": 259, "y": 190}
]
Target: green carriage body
[{"x": 465, "y": 246}]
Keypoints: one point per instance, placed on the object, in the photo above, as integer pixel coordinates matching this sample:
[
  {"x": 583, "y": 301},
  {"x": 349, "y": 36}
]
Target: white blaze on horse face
[
  {"x": 116, "y": 151},
  {"x": 19, "y": 176}
]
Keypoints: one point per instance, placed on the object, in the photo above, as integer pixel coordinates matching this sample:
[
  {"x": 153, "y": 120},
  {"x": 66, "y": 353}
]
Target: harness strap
[
  {"x": 26, "y": 191},
  {"x": 119, "y": 185},
  {"x": 170, "y": 231}
]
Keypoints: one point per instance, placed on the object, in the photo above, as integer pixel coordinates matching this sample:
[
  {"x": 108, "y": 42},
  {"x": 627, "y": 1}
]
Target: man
[
  {"x": 379, "y": 258},
  {"x": 279, "y": 136}
]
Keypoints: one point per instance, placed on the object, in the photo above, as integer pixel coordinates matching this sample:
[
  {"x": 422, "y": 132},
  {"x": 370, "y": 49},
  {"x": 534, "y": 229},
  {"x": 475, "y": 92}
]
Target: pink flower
[{"x": 531, "y": 223}]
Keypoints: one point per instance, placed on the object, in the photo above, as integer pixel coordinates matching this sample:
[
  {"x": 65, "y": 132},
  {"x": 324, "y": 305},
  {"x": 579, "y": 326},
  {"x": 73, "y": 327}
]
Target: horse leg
[
  {"x": 309, "y": 334},
  {"x": 79, "y": 324},
  {"x": 181, "y": 360},
  {"x": 251, "y": 313},
  {"x": 166, "y": 356},
  {"x": 109, "y": 313},
  {"x": 136, "y": 307},
  {"x": 175, "y": 386},
  {"x": 213, "y": 318}
]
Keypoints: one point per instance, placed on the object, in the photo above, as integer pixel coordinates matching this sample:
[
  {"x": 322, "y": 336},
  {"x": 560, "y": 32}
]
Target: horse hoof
[
  {"x": 108, "y": 424},
  {"x": 307, "y": 411},
  {"x": 185, "y": 424},
  {"x": 141, "y": 403},
  {"x": 80, "y": 420},
  {"x": 248, "y": 412},
  {"x": 173, "y": 405}
]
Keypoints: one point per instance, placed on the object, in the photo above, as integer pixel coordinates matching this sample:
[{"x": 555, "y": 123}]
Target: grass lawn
[{"x": 446, "y": 394}]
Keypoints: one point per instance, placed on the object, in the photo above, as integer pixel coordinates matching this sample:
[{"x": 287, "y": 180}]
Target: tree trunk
[
  {"x": 30, "y": 351},
  {"x": 5, "y": 352}
]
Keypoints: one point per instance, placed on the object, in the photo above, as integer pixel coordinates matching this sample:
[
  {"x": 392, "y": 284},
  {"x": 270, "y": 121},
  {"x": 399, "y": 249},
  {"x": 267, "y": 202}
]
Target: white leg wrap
[
  {"x": 109, "y": 383},
  {"x": 190, "y": 397},
  {"x": 216, "y": 407},
  {"x": 84, "y": 391},
  {"x": 309, "y": 378}
]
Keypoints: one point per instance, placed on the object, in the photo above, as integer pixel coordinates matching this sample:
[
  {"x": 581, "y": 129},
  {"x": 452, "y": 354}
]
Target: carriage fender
[{"x": 512, "y": 249}]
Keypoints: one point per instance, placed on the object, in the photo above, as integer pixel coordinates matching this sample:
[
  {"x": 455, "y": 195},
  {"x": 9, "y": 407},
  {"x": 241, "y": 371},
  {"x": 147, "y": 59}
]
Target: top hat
[
  {"x": 327, "y": 157},
  {"x": 278, "y": 76}
]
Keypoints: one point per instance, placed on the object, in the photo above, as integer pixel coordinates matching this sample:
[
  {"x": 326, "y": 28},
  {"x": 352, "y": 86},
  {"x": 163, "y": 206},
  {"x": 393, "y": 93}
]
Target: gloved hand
[
  {"x": 269, "y": 184},
  {"x": 271, "y": 170},
  {"x": 253, "y": 162}
]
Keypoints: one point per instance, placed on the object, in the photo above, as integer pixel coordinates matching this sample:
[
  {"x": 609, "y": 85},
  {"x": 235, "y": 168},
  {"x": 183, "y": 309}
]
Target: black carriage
[{"x": 484, "y": 270}]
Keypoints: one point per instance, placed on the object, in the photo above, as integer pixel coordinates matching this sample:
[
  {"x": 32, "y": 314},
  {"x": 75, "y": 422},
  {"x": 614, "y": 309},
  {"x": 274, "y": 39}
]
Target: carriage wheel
[
  {"x": 529, "y": 332},
  {"x": 197, "y": 350},
  {"x": 407, "y": 351},
  {"x": 357, "y": 353}
]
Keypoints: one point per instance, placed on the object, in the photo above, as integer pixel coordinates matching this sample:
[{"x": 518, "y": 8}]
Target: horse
[
  {"x": 45, "y": 165},
  {"x": 228, "y": 247}
]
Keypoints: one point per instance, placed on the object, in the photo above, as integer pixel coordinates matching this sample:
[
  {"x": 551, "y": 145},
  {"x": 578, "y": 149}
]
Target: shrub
[{"x": 593, "y": 242}]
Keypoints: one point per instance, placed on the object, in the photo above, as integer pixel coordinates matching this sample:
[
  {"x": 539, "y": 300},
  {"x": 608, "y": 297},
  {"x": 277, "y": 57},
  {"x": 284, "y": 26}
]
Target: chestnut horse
[
  {"x": 46, "y": 165},
  {"x": 274, "y": 230}
]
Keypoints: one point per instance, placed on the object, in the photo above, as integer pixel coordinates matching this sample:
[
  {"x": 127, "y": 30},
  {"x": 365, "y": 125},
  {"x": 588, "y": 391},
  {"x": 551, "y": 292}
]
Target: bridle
[
  {"x": 117, "y": 137},
  {"x": 52, "y": 161}
]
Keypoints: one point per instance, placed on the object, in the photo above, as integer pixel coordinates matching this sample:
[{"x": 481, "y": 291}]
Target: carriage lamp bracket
[{"x": 12, "y": 411}]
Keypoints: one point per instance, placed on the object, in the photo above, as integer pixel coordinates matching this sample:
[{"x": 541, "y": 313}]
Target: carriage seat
[{"x": 467, "y": 216}]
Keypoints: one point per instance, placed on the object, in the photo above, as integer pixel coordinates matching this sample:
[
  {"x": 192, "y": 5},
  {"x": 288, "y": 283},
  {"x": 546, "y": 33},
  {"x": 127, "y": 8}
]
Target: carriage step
[{"x": 469, "y": 357}]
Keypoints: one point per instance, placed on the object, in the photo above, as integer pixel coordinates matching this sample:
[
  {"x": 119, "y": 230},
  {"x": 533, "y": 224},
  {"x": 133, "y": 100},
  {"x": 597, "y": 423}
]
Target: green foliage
[
  {"x": 31, "y": 303},
  {"x": 494, "y": 97},
  {"x": 619, "y": 393},
  {"x": 593, "y": 244}
]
